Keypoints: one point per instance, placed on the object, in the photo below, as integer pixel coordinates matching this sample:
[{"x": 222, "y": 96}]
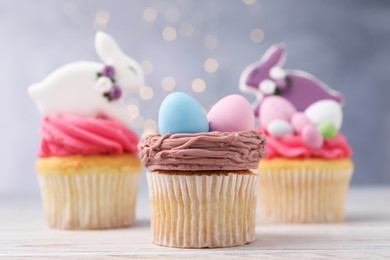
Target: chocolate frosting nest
[{"x": 211, "y": 151}]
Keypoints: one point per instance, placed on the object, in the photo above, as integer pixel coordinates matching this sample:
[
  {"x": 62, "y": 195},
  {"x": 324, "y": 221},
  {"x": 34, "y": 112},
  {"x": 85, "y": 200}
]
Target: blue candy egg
[{"x": 180, "y": 113}]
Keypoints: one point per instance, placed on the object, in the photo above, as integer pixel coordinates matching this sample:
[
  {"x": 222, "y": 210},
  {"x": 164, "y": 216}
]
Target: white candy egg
[
  {"x": 325, "y": 110},
  {"x": 277, "y": 73},
  {"x": 267, "y": 87},
  {"x": 279, "y": 128},
  {"x": 103, "y": 84}
]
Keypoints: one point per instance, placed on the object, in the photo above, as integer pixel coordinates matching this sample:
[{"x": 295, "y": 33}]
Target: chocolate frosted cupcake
[{"x": 202, "y": 192}]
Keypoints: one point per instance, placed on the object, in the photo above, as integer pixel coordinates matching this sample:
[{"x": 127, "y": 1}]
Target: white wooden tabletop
[{"x": 365, "y": 234}]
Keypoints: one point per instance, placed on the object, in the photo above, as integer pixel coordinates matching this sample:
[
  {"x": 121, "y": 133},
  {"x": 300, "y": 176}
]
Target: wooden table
[{"x": 365, "y": 234}]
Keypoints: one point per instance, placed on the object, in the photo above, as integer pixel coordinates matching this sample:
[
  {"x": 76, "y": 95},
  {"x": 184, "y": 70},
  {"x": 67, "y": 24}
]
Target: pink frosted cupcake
[
  {"x": 88, "y": 168},
  {"x": 306, "y": 173}
]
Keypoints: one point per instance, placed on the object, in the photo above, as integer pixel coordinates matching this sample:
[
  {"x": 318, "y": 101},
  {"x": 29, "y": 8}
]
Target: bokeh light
[
  {"x": 146, "y": 93},
  {"x": 148, "y": 132},
  {"x": 150, "y": 124},
  {"x": 256, "y": 35},
  {"x": 147, "y": 66},
  {"x": 169, "y": 33},
  {"x": 198, "y": 85},
  {"x": 134, "y": 111},
  {"x": 101, "y": 19},
  {"x": 210, "y": 65},
  {"x": 149, "y": 14},
  {"x": 168, "y": 83}
]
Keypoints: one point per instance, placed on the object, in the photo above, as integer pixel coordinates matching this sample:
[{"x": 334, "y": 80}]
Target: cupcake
[
  {"x": 305, "y": 174},
  {"x": 88, "y": 167},
  {"x": 202, "y": 192}
]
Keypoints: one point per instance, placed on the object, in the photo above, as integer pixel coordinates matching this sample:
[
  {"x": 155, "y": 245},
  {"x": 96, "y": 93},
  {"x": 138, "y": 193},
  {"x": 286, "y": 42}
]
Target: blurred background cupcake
[
  {"x": 87, "y": 167},
  {"x": 306, "y": 172},
  {"x": 202, "y": 192}
]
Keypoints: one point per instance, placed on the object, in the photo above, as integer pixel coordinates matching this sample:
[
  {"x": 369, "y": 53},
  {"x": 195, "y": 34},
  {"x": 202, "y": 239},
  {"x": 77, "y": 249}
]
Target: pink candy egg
[
  {"x": 312, "y": 136},
  {"x": 299, "y": 120},
  {"x": 232, "y": 113},
  {"x": 275, "y": 107}
]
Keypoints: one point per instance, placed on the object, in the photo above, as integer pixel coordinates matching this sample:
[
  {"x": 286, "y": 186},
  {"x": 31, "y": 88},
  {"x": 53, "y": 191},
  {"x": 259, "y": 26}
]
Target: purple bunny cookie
[{"x": 266, "y": 77}]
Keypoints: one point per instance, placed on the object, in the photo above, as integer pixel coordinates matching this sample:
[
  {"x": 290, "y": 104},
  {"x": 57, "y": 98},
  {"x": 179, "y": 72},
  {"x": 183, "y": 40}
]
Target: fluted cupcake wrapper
[
  {"x": 89, "y": 200},
  {"x": 303, "y": 195},
  {"x": 196, "y": 211}
]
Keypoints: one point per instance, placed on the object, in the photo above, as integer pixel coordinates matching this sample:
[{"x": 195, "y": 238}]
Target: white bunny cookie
[{"x": 90, "y": 88}]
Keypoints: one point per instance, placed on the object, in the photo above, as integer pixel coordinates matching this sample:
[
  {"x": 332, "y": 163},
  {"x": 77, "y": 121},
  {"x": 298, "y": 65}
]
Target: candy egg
[
  {"x": 103, "y": 84},
  {"x": 275, "y": 107},
  {"x": 327, "y": 129},
  {"x": 312, "y": 137},
  {"x": 279, "y": 128},
  {"x": 299, "y": 121},
  {"x": 232, "y": 113},
  {"x": 277, "y": 73},
  {"x": 267, "y": 87},
  {"x": 325, "y": 111},
  {"x": 180, "y": 113}
]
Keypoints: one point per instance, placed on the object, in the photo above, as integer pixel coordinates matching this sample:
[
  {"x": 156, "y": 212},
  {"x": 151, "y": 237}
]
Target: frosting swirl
[
  {"x": 208, "y": 151},
  {"x": 293, "y": 146},
  {"x": 68, "y": 134}
]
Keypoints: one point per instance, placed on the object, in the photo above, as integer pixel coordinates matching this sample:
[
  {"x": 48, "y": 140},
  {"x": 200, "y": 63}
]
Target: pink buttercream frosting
[
  {"x": 68, "y": 134},
  {"x": 292, "y": 146}
]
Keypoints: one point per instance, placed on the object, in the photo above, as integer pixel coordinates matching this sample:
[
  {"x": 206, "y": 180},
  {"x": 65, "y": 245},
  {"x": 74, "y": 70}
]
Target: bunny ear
[
  {"x": 255, "y": 73},
  {"x": 106, "y": 47},
  {"x": 274, "y": 56}
]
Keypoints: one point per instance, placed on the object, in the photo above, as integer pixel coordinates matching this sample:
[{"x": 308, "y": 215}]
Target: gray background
[{"x": 344, "y": 43}]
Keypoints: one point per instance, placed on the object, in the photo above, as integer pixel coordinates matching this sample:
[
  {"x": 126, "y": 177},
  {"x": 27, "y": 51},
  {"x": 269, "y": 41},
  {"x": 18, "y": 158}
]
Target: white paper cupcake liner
[
  {"x": 303, "y": 195},
  {"x": 196, "y": 211},
  {"x": 89, "y": 200}
]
